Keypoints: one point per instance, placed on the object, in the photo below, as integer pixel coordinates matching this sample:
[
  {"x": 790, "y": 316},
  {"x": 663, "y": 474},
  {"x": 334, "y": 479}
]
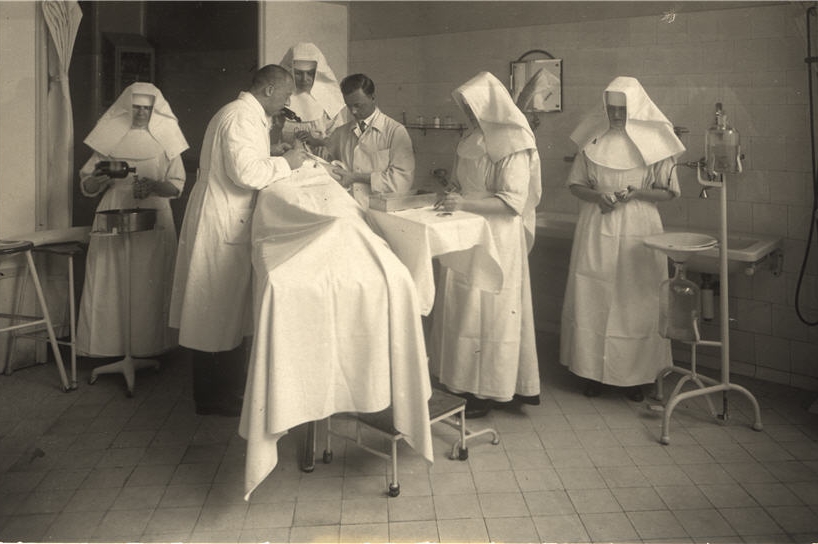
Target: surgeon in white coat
[
  {"x": 625, "y": 165},
  {"x": 211, "y": 304}
]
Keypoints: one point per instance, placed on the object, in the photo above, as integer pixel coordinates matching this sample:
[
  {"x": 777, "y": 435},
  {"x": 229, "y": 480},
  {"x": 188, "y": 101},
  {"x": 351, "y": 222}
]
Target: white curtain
[{"x": 63, "y": 19}]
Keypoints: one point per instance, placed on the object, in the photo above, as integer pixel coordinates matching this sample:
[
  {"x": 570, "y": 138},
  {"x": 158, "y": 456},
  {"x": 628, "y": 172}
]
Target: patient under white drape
[{"x": 337, "y": 321}]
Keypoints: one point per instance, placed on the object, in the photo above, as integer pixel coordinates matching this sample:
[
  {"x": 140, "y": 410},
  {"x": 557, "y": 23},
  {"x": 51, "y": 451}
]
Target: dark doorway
[{"x": 205, "y": 54}]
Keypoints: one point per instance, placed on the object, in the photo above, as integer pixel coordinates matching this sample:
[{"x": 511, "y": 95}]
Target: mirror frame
[{"x": 523, "y": 70}]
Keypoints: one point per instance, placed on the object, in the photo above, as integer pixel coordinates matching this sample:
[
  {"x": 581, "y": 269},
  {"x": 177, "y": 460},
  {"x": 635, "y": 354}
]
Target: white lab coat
[
  {"x": 100, "y": 323},
  {"x": 211, "y": 304},
  {"x": 611, "y": 310},
  {"x": 384, "y": 150}
]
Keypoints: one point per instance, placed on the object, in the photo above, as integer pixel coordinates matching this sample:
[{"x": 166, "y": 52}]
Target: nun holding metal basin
[
  {"x": 317, "y": 99},
  {"x": 140, "y": 129},
  {"x": 482, "y": 344},
  {"x": 627, "y": 151}
]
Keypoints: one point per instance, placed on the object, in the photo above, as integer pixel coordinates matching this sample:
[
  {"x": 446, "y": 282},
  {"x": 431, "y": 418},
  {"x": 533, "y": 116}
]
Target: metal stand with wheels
[{"x": 724, "y": 385}]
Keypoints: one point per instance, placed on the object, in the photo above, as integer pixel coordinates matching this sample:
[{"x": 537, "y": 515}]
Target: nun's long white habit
[
  {"x": 155, "y": 153},
  {"x": 484, "y": 343},
  {"x": 609, "y": 328}
]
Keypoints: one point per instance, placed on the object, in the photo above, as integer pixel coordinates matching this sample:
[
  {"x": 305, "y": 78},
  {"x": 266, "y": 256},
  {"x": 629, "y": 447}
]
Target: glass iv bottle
[
  {"x": 722, "y": 145},
  {"x": 680, "y": 307}
]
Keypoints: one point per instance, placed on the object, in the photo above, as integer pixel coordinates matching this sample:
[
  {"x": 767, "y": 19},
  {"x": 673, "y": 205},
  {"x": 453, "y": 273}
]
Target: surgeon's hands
[
  {"x": 295, "y": 157},
  {"x": 306, "y": 138},
  {"x": 347, "y": 178},
  {"x": 278, "y": 150}
]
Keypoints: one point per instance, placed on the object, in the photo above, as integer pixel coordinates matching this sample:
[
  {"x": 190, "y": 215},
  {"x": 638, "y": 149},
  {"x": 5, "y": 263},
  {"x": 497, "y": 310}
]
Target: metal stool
[
  {"x": 13, "y": 247},
  {"x": 444, "y": 407},
  {"x": 64, "y": 249}
]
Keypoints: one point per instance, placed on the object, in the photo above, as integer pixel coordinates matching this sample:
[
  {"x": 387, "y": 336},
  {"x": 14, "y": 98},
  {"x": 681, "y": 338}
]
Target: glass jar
[{"x": 680, "y": 307}]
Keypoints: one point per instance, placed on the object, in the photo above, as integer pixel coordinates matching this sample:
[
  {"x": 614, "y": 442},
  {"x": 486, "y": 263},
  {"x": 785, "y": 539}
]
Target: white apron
[
  {"x": 609, "y": 330},
  {"x": 484, "y": 343},
  {"x": 100, "y": 324}
]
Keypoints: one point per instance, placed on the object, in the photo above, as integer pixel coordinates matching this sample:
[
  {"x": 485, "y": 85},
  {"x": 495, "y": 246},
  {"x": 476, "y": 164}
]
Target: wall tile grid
[{"x": 751, "y": 59}]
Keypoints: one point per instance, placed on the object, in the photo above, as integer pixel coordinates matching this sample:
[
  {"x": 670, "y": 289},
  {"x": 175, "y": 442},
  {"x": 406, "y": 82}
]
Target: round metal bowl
[{"x": 125, "y": 220}]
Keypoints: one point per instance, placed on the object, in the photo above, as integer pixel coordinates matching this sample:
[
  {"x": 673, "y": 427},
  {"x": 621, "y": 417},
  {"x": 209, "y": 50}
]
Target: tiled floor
[{"x": 94, "y": 465}]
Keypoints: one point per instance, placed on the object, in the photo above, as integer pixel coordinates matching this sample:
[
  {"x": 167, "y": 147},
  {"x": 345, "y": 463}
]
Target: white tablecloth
[
  {"x": 337, "y": 322},
  {"x": 461, "y": 241}
]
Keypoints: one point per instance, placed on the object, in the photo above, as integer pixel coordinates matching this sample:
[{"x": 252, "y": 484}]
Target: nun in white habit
[
  {"x": 141, "y": 129},
  {"x": 627, "y": 151},
  {"x": 482, "y": 344},
  {"x": 317, "y": 99}
]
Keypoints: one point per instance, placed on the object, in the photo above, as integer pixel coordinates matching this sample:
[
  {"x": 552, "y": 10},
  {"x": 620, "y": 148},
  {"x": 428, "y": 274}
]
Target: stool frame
[
  {"x": 26, "y": 248},
  {"x": 454, "y": 416},
  {"x": 65, "y": 249}
]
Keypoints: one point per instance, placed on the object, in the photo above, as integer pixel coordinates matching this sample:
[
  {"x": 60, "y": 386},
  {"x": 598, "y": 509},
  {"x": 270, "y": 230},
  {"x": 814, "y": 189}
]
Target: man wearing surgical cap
[
  {"x": 140, "y": 129},
  {"x": 482, "y": 344},
  {"x": 627, "y": 152},
  {"x": 317, "y": 99}
]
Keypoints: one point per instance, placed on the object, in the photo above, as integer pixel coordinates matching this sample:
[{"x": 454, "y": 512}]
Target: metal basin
[{"x": 125, "y": 220}]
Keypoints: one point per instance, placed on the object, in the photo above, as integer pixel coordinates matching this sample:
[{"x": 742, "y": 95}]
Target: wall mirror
[{"x": 536, "y": 84}]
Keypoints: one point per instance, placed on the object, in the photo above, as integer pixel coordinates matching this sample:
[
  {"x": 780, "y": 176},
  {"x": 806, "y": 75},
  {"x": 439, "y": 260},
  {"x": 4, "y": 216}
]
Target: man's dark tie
[{"x": 362, "y": 126}]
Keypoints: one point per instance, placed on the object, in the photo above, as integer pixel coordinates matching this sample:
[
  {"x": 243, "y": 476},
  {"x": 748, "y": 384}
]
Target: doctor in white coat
[
  {"x": 211, "y": 303},
  {"x": 376, "y": 150}
]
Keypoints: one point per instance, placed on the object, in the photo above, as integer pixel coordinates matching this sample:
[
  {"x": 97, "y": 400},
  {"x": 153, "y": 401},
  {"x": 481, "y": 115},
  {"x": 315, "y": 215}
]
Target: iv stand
[{"x": 715, "y": 386}]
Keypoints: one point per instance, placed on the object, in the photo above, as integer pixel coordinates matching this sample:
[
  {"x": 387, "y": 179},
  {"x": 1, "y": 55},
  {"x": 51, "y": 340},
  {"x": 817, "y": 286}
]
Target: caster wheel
[
  {"x": 327, "y": 457},
  {"x": 307, "y": 469},
  {"x": 463, "y": 453},
  {"x": 394, "y": 490},
  {"x": 495, "y": 441},
  {"x": 665, "y": 440},
  {"x": 758, "y": 427}
]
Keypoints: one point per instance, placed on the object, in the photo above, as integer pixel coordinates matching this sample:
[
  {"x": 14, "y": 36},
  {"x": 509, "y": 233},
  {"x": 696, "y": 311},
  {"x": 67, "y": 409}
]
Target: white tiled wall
[{"x": 751, "y": 59}]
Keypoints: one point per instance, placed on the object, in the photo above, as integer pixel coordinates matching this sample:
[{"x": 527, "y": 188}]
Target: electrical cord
[{"x": 814, "y": 216}]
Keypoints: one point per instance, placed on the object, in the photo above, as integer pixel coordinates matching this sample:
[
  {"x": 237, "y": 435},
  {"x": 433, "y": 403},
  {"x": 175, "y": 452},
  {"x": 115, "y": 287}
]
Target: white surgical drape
[{"x": 63, "y": 19}]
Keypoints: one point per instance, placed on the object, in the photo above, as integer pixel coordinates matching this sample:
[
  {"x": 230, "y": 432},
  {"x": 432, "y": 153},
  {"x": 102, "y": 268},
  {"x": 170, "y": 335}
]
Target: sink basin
[
  {"x": 680, "y": 246},
  {"x": 744, "y": 250}
]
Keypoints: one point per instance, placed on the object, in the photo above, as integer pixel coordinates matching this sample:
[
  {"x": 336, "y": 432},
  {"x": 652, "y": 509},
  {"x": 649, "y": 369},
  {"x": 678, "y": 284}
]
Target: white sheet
[
  {"x": 461, "y": 241},
  {"x": 337, "y": 321}
]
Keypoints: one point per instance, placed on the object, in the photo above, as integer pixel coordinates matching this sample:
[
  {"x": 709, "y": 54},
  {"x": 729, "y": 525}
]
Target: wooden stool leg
[
  {"x": 51, "y": 336},
  {"x": 18, "y": 303}
]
